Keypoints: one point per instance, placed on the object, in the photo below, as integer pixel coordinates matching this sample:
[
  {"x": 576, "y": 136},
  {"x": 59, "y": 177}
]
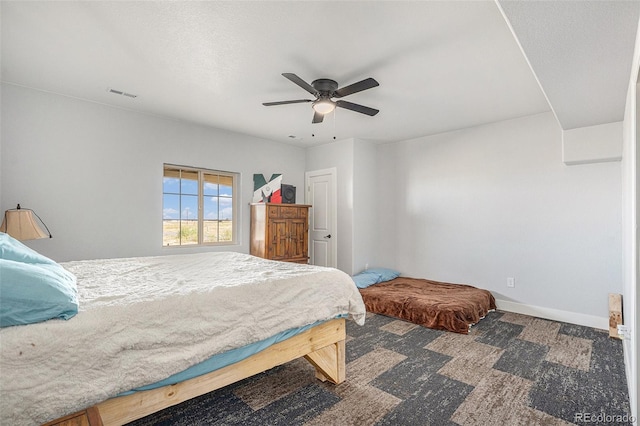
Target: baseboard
[{"x": 554, "y": 314}]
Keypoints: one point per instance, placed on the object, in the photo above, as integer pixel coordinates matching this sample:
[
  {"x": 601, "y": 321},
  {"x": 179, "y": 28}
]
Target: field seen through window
[{"x": 176, "y": 232}]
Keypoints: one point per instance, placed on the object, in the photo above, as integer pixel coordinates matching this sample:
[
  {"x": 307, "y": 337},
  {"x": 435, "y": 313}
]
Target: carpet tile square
[
  {"x": 296, "y": 408},
  {"x": 497, "y": 396},
  {"x": 359, "y": 405},
  {"x": 367, "y": 342},
  {"x": 432, "y": 405},
  {"x": 399, "y": 327},
  {"x": 409, "y": 376},
  {"x": 369, "y": 366},
  {"x": 414, "y": 342},
  {"x": 499, "y": 333},
  {"x": 514, "y": 318},
  {"x": 571, "y": 351},
  {"x": 252, "y": 392},
  {"x": 522, "y": 358},
  {"x": 540, "y": 331},
  {"x": 581, "y": 331}
]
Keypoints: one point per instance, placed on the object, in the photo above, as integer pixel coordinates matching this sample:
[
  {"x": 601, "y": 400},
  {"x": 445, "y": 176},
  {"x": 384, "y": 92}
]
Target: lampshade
[
  {"x": 323, "y": 106},
  {"x": 21, "y": 224}
]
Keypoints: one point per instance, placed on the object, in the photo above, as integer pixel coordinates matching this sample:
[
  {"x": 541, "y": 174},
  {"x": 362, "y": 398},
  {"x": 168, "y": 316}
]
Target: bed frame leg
[{"x": 329, "y": 362}]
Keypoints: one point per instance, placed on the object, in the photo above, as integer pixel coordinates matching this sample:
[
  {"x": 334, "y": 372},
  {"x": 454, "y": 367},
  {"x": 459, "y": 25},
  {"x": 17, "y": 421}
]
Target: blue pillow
[
  {"x": 12, "y": 249},
  {"x": 33, "y": 288},
  {"x": 35, "y": 292},
  {"x": 365, "y": 278},
  {"x": 386, "y": 274}
]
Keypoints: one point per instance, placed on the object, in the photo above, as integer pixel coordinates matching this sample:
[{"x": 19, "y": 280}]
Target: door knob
[{"x": 328, "y": 236}]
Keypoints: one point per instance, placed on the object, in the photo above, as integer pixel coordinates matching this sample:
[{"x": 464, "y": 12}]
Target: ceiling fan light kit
[
  {"x": 324, "y": 90},
  {"x": 323, "y": 106}
]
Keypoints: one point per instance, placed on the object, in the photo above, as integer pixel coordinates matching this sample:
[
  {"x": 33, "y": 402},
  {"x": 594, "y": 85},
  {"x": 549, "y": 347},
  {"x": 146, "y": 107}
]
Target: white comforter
[{"x": 143, "y": 319}]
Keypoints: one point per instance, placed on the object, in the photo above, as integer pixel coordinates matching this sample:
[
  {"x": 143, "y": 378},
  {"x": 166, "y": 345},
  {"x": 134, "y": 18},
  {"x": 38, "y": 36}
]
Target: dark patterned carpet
[{"x": 510, "y": 370}]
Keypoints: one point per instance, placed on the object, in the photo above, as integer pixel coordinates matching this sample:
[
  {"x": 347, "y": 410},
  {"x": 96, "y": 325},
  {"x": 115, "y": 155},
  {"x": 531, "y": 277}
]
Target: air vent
[{"x": 121, "y": 93}]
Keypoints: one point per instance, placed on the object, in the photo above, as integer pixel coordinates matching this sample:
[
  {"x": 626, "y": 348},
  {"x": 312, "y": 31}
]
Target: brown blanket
[{"x": 432, "y": 304}]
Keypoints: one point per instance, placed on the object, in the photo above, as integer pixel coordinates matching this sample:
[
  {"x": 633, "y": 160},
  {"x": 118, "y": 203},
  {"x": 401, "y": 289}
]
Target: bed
[
  {"x": 432, "y": 304},
  {"x": 143, "y": 320}
]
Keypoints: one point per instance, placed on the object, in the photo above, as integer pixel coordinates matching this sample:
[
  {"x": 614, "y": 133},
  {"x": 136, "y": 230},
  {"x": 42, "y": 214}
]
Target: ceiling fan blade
[
  {"x": 357, "y": 108},
  {"x": 297, "y": 101},
  {"x": 365, "y": 84},
  {"x": 300, "y": 82},
  {"x": 317, "y": 117}
]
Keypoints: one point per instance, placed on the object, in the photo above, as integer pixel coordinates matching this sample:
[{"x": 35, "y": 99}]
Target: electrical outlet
[
  {"x": 366, "y": 266},
  {"x": 624, "y": 332},
  {"x": 511, "y": 282}
]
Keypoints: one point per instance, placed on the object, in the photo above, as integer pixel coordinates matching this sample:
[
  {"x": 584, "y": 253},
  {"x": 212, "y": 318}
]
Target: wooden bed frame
[{"x": 323, "y": 346}]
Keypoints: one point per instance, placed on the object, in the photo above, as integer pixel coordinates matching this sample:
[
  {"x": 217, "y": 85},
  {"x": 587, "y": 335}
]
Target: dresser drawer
[{"x": 290, "y": 212}]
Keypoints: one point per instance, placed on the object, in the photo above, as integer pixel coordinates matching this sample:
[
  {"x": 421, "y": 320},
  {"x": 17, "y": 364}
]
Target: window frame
[{"x": 235, "y": 203}]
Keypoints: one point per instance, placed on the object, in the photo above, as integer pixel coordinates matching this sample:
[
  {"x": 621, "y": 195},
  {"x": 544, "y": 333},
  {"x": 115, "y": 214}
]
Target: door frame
[{"x": 333, "y": 172}]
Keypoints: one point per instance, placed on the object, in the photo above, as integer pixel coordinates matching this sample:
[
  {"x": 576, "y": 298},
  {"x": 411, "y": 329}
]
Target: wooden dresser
[{"x": 280, "y": 231}]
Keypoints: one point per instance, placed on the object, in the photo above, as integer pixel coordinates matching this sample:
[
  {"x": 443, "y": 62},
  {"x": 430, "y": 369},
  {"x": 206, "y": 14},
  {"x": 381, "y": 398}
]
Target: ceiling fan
[{"x": 324, "y": 89}]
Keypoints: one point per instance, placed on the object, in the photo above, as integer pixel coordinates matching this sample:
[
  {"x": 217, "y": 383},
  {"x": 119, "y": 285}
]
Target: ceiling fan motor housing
[{"x": 325, "y": 86}]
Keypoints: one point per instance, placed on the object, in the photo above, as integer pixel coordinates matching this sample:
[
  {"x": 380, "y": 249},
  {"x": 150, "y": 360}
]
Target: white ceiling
[
  {"x": 581, "y": 52},
  {"x": 441, "y": 65}
]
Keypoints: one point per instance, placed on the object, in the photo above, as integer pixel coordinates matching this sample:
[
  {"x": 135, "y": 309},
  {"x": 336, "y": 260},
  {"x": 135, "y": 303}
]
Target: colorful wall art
[{"x": 267, "y": 191}]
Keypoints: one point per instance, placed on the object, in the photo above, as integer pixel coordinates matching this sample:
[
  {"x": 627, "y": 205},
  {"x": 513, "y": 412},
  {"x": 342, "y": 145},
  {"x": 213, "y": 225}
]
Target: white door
[{"x": 321, "y": 194}]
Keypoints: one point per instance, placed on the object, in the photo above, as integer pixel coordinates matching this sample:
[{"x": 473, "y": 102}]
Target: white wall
[
  {"x": 358, "y": 199},
  {"x": 592, "y": 144},
  {"x": 367, "y": 200},
  {"x": 339, "y": 155},
  {"x": 94, "y": 172},
  {"x": 1, "y": 142},
  {"x": 629, "y": 242},
  {"x": 630, "y": 180},
  {"x": 482, "y": 204}
]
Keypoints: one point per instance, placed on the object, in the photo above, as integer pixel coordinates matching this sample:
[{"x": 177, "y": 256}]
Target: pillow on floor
[
  {"x": 386, "y": 274},
  {"x": 365, "y": 278}
]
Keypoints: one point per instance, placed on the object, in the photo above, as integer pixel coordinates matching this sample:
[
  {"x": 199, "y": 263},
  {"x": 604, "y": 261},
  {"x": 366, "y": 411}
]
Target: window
[{"x": 198, "y": 206}]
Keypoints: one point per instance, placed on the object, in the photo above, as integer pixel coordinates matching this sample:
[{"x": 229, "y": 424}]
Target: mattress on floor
[{"x": 432, "y": 304}]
